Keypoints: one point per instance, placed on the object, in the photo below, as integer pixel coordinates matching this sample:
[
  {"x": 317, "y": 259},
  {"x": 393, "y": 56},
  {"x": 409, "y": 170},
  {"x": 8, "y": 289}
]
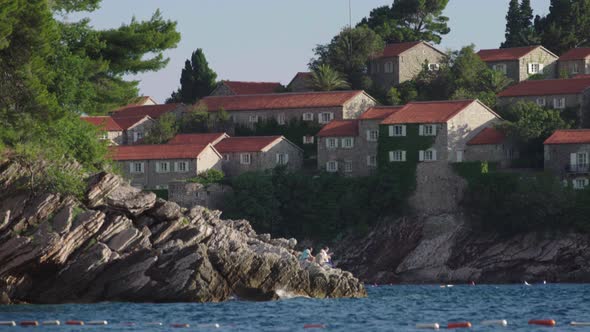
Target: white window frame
[
  {"x": 104, "y": 135},
  {"x": 331, "y": 143},
  {"x": 348, "y": 166},
  {"x": 427, "y": 155},
  {"x": 348, "y": 142},
  {"x": 559, "y": 103},
  {"x": 332, "y": 166},
  {"x": 388, "y": 67},
  {"x": 397, "y": 130},
  {"x": 501, "y": 67},
  {"x": 253, "y": 118},
  {"x": 137, "y": 135},
  {"x": 373, "y": 135},
  {"x": 371, "y": 160},
  {"x": 433, "y": 67},
  {"x": 136, "y": 167},
  {"x": 397, "y": 156},
  {"x": 226, "y": 157},
  {"x": 575, "y": 69},
  {"x": 162, "y": 167},
  {"x": 181, "y": 166},
  {"x": 541, "y": 101},
  {"x": 245, "y": 159},
  {"x": 427, "y": 130},
  {"x": 308, "y": 116},
  {"x": 282, "y": 158},
  {"x": 308, "y": 139},
  {"x": 281, "y": 120},
  {"x": 535, "y": 68},
  {"x": 580, "y": 183},
  {"x": 322, "y": 117}
]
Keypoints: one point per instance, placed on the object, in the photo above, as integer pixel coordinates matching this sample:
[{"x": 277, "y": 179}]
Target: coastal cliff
[
  {"x": 437, "y": 243},
  {"x": 122, "y": 244}
]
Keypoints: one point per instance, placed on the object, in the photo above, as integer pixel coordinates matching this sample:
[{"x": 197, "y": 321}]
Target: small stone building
[
  {"x": 189, "y": 194},
  {"x": 567, "y": 155},
  {"x": 574, "y": 62},
  {"x": 301, "y": 82},
  {"x": 230, "y": 88},
  {"x": 401, "y": 62},
  {"x": 518, "y": 63},
  {"x": 491, "y": 145},
  {"x": 154, "y": 166},
  {"x": 111, "y": 130},
  {"x": 258, "y": 153}
]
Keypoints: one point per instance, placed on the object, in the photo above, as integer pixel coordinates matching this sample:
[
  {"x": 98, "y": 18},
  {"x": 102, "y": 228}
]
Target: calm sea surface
[{"x": 388, "y": 308}]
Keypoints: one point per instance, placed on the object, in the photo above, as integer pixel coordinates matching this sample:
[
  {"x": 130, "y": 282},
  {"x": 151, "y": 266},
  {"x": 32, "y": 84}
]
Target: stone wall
[
  {"x": 497, "y": 153},
  {"x": 301, "y": 83},
  {"x": 222, "y": 90},
  {"x": 557, "y": 156},
  {"x": 539, "y": 55},
  {"x": 142, "y": 127},
  {"x": 263, "y": 160},
  {"x": 188, "y": 195},
  {"x": 512, "y": 68},
  {"x": 357, "y": 106}
]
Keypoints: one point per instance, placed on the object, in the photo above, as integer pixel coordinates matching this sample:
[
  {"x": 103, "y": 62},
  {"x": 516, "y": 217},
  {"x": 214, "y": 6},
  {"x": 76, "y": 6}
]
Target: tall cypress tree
[
  {"x": 513, "y": 25},
  {"x": 197, "y": 80},
  {"x": 529, "y": 36},
  {"x": 566, "y": 26}
]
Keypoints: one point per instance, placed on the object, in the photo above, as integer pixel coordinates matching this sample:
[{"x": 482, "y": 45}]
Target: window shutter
[
  {"x": 421, "y": 155},
  {"x": 278, "y": 157},
  {"x": 530, "y": 68},
  {"x": 390, "y": 155},
  {"x": 403, "y": 130},
  {"x": 352, "y": 142},
  {"x": 421, "y": 130},
  {"x": 403, "y": 155},
  {"x": 131, "y": 170},
  {"x": 390, "y": 131},
  {"x": 434, "y": 155},
  {"x": 368, "y": 135},
  {"x": 327, "y": 142},
  {"x": 141, "y": 167},
  {"x": 286, "y": 158},
  {"x": 434, "y": 127},
  {"x": 585, "y": 182},
  {"x": 174, "y": 167},
  {"x": 573, "y": 159},
  {"x": 540, "y": 67},
  {"x": 157, "y": 167}
]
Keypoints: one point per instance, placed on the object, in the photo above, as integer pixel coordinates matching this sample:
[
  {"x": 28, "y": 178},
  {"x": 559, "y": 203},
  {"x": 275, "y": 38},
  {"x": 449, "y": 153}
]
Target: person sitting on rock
[
  {"x": 306, "y": 255},
  {"x": 323, "y": 257}
]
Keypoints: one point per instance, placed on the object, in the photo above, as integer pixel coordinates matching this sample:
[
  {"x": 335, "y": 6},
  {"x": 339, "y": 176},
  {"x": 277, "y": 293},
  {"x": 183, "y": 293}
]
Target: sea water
[{"x": 387, "y": 308}]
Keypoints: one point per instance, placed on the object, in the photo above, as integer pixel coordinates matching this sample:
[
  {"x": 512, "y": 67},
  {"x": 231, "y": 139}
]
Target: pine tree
[
  {"x": 566, "y": 26},
  {"x": 513, "y": 26},
  {"x": 528, "y": 35},
  {"x": 197, "y": 80}
]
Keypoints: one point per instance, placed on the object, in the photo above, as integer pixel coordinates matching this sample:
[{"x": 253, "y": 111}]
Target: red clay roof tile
[
  {"x": 155, "y": 152},
  {"x": 127, "y": 122},
  {"x": 379, "y": 112},
  {"x": 279, "y": 101},
  {"x": 571, "y": 86},
  {"x": 208, "y": 138},
  {"x": 488, "y": 136},
  {"x": 579, "y": 53},
  {"x": 428, "y": 112},
  {"x": 505, "y": 54},
  {"x": 393, "y": 50},
  {"x": 103, "y": 122},
  {"x": 154, "y": 111},
  {"x": 569, "y": 136},
  {"x": 245, "y": 143},
  {"x": 252, "y": 88},
  {"x": 340, "y": 128}
]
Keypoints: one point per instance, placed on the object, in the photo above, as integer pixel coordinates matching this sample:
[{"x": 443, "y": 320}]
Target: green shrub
[{"x": 207, "y": 177}]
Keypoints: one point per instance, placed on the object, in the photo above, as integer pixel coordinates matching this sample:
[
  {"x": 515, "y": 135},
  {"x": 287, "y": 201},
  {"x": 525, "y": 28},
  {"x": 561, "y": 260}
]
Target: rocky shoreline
[{"x": 122, "y": 244}]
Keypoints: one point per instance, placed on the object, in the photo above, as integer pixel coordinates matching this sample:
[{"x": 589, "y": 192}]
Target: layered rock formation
[
  {"x": 436, "y": 244},
  {"x": 122, "y": 244}
]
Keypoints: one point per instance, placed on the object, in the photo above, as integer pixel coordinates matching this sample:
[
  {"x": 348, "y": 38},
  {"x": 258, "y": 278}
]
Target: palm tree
[{"x": 324, "y": 78}]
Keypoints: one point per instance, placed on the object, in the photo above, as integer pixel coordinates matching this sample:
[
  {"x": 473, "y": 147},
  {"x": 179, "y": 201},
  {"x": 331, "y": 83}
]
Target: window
[
  {"x": 541, "y": 102},
  {"x": 162, "y": 167},
  {"x": 397, "y": 155},
  {"x": 575, "y": 69},
  {"x": 326, "y": 117},
  {"x": 427, "y": 130},
  {"x": 253, "y": 118},
  {"x": 137, "y": 135},
  {"x": 245, "y": 159},
  {"x": 372, "y": 161},
  {"x": 182, "y": 166},
  {"x": 348, "y": 166},
  {"x": 136, "y": 167},
  {"x": 332, "y": 166},
  {"x": 501, "y": 67},
  {"x": 579, "y": 162},
  {"x": 397, "y": 130},
  {"x": 347, "y": 143},
  {"x": 389, "y": 67},
  {"x": 331, "y": 143},
  {"x": 104, "y": 135},
  {"x": 282, "y": 158},
  {"x": 433, "y": 66},
  {"x": 535, "y": 68},
  {"x": 372, "y": 135},
  {"x": 580, "y": 183},
  {"x": 307, "y": 116},
  {"x": 559, "y": 103},
  {"x": 281, "y": 119},
  {"x": 308, "y": 139},
  {"x": 226, "y": 157},
  {"x": 428, "y": 155}
]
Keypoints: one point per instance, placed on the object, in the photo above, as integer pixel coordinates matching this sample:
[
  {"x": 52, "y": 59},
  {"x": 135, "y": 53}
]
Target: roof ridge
[{"x": 286, "y": 93}]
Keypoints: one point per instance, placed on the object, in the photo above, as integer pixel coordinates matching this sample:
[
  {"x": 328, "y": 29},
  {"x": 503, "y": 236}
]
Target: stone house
[
  {"x": 518, "y": 63},
  {"x": 320, "y": 107},
  {"x": 153, "y": 111},
  {"x": 432, "y": 131},
  {"x": 301, "y": 82},
  {"x": 111, "y": 130},
  {"x": 258, "y": 153},
  {"x": 491, "y": 145},
  {"x": 401, "y": 62},
  {"x": 574, "y": 62},
  {"x": 229, "y": 88},
  {"x": 557, "y": 94},
  {"x": 189, "y": 194},
  {"x": 154, "y": 166},
  {"x": 567, "y": 154},
  {"x": 135, "y": 128}
]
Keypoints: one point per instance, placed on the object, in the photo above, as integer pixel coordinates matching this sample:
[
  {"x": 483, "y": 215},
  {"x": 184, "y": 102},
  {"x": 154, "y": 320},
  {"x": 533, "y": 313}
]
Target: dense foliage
[
  {"x": 567, "y": 25},
  {"x": 324, "y": 78},
  {"x": 208, "y": 177},
  {"x": 519, "y": 25},
  {"x": 197, "y": 80}
]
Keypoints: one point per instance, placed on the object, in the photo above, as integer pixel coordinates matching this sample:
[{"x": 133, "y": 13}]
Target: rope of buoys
[
  {"x": 8, "y": 323},
  {"x": 580, "y": 323},
  {"x": 209, "y": 326},
  {"x": 29, "y": 323},
  {"x": 74, "y": 322},
  {"x": 314, "y": 326},
  {"x": 180, "y": 325},
  {"x": 499, "y": 322},
  {"x": 542, "y": 322},
  {"x": 50, "y": 323},
  {"x": 154, "y": 324},
  {"x": 97, "y": 322},
  {"x": 430, "y": 326},
  {"x": 459, "y": 325},
  {"x": 128, "y": 324}
]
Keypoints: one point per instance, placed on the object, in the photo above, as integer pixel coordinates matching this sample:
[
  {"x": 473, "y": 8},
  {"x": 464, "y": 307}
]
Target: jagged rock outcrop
[
  {"x": 122, "y": 244},
  {"x": 436, "y": 244}
]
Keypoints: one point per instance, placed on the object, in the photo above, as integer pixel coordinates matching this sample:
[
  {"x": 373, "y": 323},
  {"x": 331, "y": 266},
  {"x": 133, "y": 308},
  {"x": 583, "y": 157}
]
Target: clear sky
[{"x": 271, "y": 40}]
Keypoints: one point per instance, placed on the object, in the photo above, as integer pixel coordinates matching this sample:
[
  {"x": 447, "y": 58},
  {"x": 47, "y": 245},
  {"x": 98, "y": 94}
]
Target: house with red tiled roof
[
  {"x": 110, "y": 130},
  {"x": 258, "y": 153},
  {"x": 401, "y": 62},
  {"x": 574, "y": 62},
  {"x": 154, "y": 166},
  {"x": 204, "y": 138},
  {"x": 518, "y": 63},
  {"x": 230, "y": 88},
  {"x": 567, "y": 155},
  {"x": 559, "y": 94},
  {"x": 301, "y": 82},
  {"x": 153, "y": 111},
  {"x": 432, "y": 131},
  {"x": 492, "y": 145}
]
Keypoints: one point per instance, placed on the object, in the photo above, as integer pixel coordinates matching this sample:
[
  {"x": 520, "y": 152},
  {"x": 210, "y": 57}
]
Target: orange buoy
[
  {"x": 29, "y": 323},
  {"x": 314, "y": 326},
  {"x": 74, "y": 322},
  {"x": 458, "y": 325},
  {"x": 543, "y": 322},
  {"x": 180, "y": 325}
]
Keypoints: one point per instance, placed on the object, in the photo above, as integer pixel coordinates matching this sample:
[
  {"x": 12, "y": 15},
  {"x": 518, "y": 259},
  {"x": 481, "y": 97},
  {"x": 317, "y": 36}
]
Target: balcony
[{"x": 581, "y": 168}]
